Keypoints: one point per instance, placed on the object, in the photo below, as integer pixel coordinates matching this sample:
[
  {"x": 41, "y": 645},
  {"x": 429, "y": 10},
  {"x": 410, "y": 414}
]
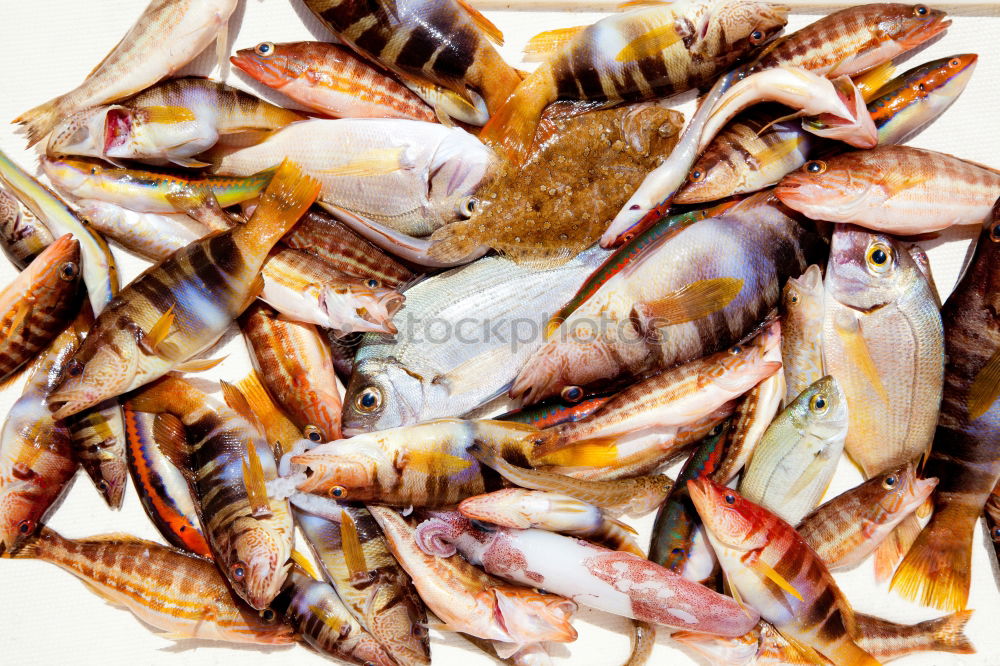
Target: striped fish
[
  {"x": 179, "y": 595},
  {"x": 181, "y": 306},
  {"x": 98, "y": 436},
  {"x": 227, "y": 462},
  {"x": 753, "y": 415},
  {"x": 553, "y": 412},
  {"x": 22, "y": 236},
  {"x": 802, "y": 331}
]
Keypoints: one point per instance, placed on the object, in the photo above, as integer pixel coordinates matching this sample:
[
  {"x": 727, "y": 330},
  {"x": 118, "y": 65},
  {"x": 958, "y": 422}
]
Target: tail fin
[
  {"x": 38, "y": 122},
  {"x": 936, "y": 570},
  {"x": 949, "y": 633},
  {"x": 891, "y": 551},
  {"x": 512, "y": 128},
  {"x": 287, "y": 197}
]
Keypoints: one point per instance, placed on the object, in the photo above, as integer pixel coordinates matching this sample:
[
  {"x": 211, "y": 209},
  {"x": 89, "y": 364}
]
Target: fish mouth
[
  {"x": 926, "y": 30},
  {"x": 249, "y": 63},
  {"x": 67, "y": 403}
]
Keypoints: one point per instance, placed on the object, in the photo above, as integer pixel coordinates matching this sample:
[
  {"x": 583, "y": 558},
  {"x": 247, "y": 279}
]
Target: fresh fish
[
  {"x": 754, "y": 414},
  {"x": 342, "y": 349},
  {"x": 294, "y": 363},
  {"x": 613, "y": 581},
  {"x": 38, "y": 304},
  {"x": 355, "y": 556},
  {"x": 180, "y": 595},
  {"x": 251, "y": 400},
  {"x": 22, "y": 236},
  {"x": 304, "y": 288},
  {"x": 646, "y": 318},
  {"x": 794, "y": 462},
  {"x": 560, "y": 199},
  {"x": 163, "y": 490},
  {"x": 468, "y": 600},
  {"x": 429, "y": 44},
  {"x": 422, "y": 375},
  {"x": 652, "y": 51},
  {"x": 167, "y": 36},
  {"x": 227, "y": 462},
  {"x": 848, "y": 528},
  {"x": 154, "y": 236},
  {"x": 802, "y": 331},
  {"x": 896, "y": 189},
  {"x": 331, "y": 80},
  {"x": 774, "y": 571},
  {"x": 964, "y": 455},
  {"x": 98, "y": 437},
  {"x": 171, "y": 122},
  {"x": 557, "y": 411},
  {"x": 883, "y": 342},
  {"x": 181, "y": 306},
  {"x": 411, "y": 176}
]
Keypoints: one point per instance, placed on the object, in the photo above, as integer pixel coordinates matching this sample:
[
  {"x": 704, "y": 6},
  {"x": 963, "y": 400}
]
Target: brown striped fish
[
  {"x": 98, "y": 436},
  {"x": 22, "y": 236}
]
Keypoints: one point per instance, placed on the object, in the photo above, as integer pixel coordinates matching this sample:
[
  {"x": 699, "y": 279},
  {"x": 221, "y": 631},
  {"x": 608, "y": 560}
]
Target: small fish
[
  {"x": 154, "y": 236},
  {"x": 802, "y": 331},
  {"x": 180, "y": 595},
  {"x": 181, "y": 306},
  {"x": 550, "y": 413},
  {"x": 22, "y": 236},
  {"x": 794, "y": 462},
  {"x": 169, "y": 123},
  {"x": 754, "y": 414},
  {"x": 167, "y": 36},
  {"x": 98, "y": 437},
  {"x": 331, "y": 80}
]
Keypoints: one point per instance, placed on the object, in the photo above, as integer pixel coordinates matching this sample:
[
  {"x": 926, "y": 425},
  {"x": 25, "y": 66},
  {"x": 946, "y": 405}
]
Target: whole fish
[
  {"x": 294, "y": 363},
  {"x": 802, "y": 331},
  {"x": 180, "y": 595},
  {"x": 896, "y": 189},
  {"x": 550, "y": 413},
  {"x": 227, "y": 461},
  {"x": 355, "y": 556},
  {"x": 645, "y": 317},
  {"x": 964, "y": 455},
  {"x": 754, "y": 414},
  {"x": 98, "y": 437},
  {"x": 648, "y": 52},
  {"x": 331, "y": 80},
  {"x": 883, "y": 342},
  {"x": 39, "y": 303},
  {"x": 848, "y": 528},
  {"x": 422, "y": 375},
  {"x": 470, "y": 601},
  {"x": 427, "y": 43},
  {"x": 794, "y": 462},
  {"x": 409, "y": 175},
  {"x": 171, "y": 122},
  {"x": 613, "y": 581},
  {"x": 167, "y": 36},
  {"x": 554, "y": 512},
  {"x": 162, "y": 488},
  {"x": 561, "y": 198},
  {"x": 778, "y": 574},
  {"x": 154, "y": 236},
  {"x": 181, "y": 306},
  {"x": 22, "y": 236}
]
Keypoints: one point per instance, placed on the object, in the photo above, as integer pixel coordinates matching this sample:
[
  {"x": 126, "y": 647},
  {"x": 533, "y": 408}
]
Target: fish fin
[
  {"x": 985, "y": 387},
  {"x": 812, "y": 470},
  {"x": 871, "y": 82},
  {"x": 542, "y": 45},
  {"x": 328, "y": 618},
  {"x": 375, "y": 162},
  {"x": 949, "y": 633},
  {"x": 436, "y": 462},
  {"x": 305, "y": 564},
  {"x": 780, "y": 119},
  {"x": 649, "y": 44},
  {"x": 21, "y": 311},
  {"x": 199, "y": 364},
  {"x": 625, "y": 526},
  {"x": 692, "y": 301},
  {"x": 350, "y": 543},
  {"x": 894, "y": 547},
  {"x": 849, "y": 330},
  {"x": 189, "y": 163},
  {"x": 171, "y": 438},
  {"x": 489, "y": 29},
  {"x": 900, "y": 183},
  {"x": 442, "y": 116},
  {"x": 737, "y": 597},
  {"x": 239, "y": 404},
  {"x": 259, "y": 400},
  {"x": 254, "y": 291},
  {"x": 253, "y": 481},
  {"x": 765, "y": 569},
  {"x": 286, "y": 198},
  {"x": 596, "y": 452},
  {"x": 159, "y": 332},
  {"x": 511, "y": 129},
  {"x": 200, "y": 205},
  {"x": 553, "y": 325},
  {"x": 808, "y": 652},
  {"x": 168, "y": 115},
  {"x": 926, "y": 507},
  {"x": 38, "y": 122},
  {"x": 780, "y": 150},
  {"x": 222, "y": 49},
  {"x": 936, "y": 571},
  {"x": 450, "y": 246}
]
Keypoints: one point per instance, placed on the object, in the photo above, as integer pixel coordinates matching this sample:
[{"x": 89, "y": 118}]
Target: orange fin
[
  {"x": 171, "y": 437},
  {"x": 935, "y": 572},
  {"x": 985, "y": 387},
  {"x": 901, "y": 183},
  {"x": 436, "y": 463},
  {"x": 949, "y": 633},
  {"x": 512, "y": 127},
  {"x": 893, "y": 549},
  {"x": 649, "y": 44},
  {"x": 874, "y": 79},
  {"x": 764, "y": 568},
  {"x": 306, "y": 565},
  {"x": 21, "y": 312},
  {"x": 350, "y": 543},
  {"x": 625, "y": 526},
  {"x": 806, "y": 651},
  {"x": 849, "y": 330},
  {"x": 239, "y": 404},
  {"x": 483, "y": 23},
  {"x": 168, "y": 115},
  {"x": 199, "y": 365},
  {"x": 277, "y": 427},
  {"x": 286, "y": 198},
  {"x": 253, "y": 480},
  {"x": 544, "y": 44},
  {"x": 159, "y": 332},
  {"x": 596, "y": 452},
  {"x": 693, "y": 301}
]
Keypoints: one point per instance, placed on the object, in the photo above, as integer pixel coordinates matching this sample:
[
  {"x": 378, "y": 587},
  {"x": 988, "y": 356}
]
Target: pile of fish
[{"x": 487, "y": 308}]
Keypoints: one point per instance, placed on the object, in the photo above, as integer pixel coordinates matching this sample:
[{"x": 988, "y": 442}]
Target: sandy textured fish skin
[{"x": 22, "y": 236}]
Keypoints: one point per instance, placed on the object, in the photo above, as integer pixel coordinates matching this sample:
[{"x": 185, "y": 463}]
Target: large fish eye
[
  {"x": 369, "y": 399},
  {"x": 268, "y": 616},
  {"x": 878, "y": 257},
  {"x": 730, "y": 498},
  {"x": 756, "y": 37},
  {"x": 467, "y": 207},
  {"x": 696, "y": 176},
  {"x": 920, "y": 10},
  {"x": 264, "y": 49},
  {"x": 239, "y": 571},
  {"x": 818, "y": 403},
  {"x": 312, "y": 433},
  {"x": 26, "y": 527},
  {"x": 372, "y": 283},
  {"x": 889, "y": 482},
  {"x": 815, "y": 167},
  {"x": 74, "y": 368},
  {"x": 571, "y": 393},
  {"x": 338, "y": 492},
  {"x": 69, "y": 271}
]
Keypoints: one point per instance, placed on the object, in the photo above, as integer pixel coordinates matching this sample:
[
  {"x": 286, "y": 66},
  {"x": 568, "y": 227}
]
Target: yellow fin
[
  {"x": 849, "y": 331},
  {"x": 545, "y": 43},
  {"x": 327, "y": 618},
  {"x": 239, "y": 404},
  {"x": 199, "y": 365},
  {"x": 253, "y": 480},
  {"x": 806, "y": 651},
  {"x": 649, "y": 44},
  {"x": 693, "y": 301},
  {"x": 278, "y": 428},
  {"x": 936, "y": 571},
  {"x": 597, "y": 452},
  {"x": 171, "y": 438},
  {"x": 872, "y": 81},
  {"x": 483, "y": 23},
  {"x": 350, "y": 543},
  {"x": 375, "y": 162},
  {"x": 159, "y": 332},
  {"x": 779, "y": 151},
  {"x": 168, "y": 115},
  {"x": 287, "y": 197},
  {"x": 901, "y": 183},
  {"x": 553, "y": 325},
  {"x": 436, "y": 463},
  {"x": 305, "y": 564},
  {"x": 776, "y": 578},
  {"x": 625, "y": 526},
  {"x": 985, "y": 387},
  {"x": 894, "y": 547}
]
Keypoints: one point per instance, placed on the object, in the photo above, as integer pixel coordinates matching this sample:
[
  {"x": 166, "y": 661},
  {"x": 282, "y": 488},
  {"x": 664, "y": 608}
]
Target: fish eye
[
  {"x": 730, "y": 498},
  {"x": 372, "y": 283},
  {"x": 26, "y": 527},
  {"x": 369, "y": 399},
  {"x": 103, "y": 486},
  {"x": 338, "y": 492},
  {"x": 878, "y": 256},
  {"x": 571, "y": 393},
  {"x": 715, "y": 430},
  {"x": 995, "y": 232},
  {"x": 735, "y": 349},
  {"x": 239, "y": 571},
  {"x": 815, "y": 167},
  {"x": 696, "y": 176},
  {"x": 889, "y": 482},
  {"x": 74, "y": 368},
  {"x": 69, "y": 271},
  {"x": 920, "y": 10},
  {"x": 756, "y": 37},
  {"x": 677, "y": 551},
  {"x": 93, "y": 171},
  {"x": 954, "y": 62},
  {"x": 312, "y": 433},
  {"x": 264, "y": 49},
  {"x": 793, "y": 299},
  {"x": 628, "y": 237},
  {"x": 818, "y": 403},
  {"x": 468, "y": 207},
  {"x": 268, "y": 616},
  {"x": 996, "y": 533},
  {"x": 419, "y": 630}
]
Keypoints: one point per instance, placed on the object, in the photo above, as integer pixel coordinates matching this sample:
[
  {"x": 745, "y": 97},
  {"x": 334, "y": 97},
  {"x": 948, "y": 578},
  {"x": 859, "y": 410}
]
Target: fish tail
[
  {"x": 948, "y": 633},
  {"x": 500, "y": 85},
  {"x": 512, "y": 128},
  {"x": 38, "y": 122},
  {"x": 936, "y": 570},
  {"x": 287, "y": 197},
  {"x": 891, "y": 551}
]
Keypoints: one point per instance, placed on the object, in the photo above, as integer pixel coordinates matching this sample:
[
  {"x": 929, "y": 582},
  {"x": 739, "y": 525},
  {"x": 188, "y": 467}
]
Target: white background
[{"x": 48, "y": 617}]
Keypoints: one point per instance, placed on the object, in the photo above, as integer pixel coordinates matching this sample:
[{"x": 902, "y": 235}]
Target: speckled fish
[
  {"x": 181, "y": 306},
  {"x": 322, "y": 621},
  {"x": 561, "y": 198},
  {"x": 162, "y": 488},
  {"x": 778, "y": 574},
  {"x": 444, "y": 43},
  {"x": 802, "y": 331},
  {"x": 648, "y": 52},
  {"x": 98, "y": 437},
  {"x": 550, "y": 413},
  {"x": 167, "y": 36},
  {"x": 22, "y": 236},
  {"x": 227, "y": 462},
  {"x": 355, "y": 556},
  {"x": 964, "y": 455},
  {"x": 305, "y": 288},
  {"x": 848, "y": 528},
  {"x": 331, "y": 80},
  {"x": 613, "y": 581},
  {"x": 646, "y": 318},
  {"x": 896, "y": 189},
  {"x": 154, "y": 236},
  {"x": 39, "y": 303},
  {"x": 419, "y": 375},
  {"x": 180, "y": 595},
  {"x": 409, "y": 175},
  {"x": 293, "y": 361},
  {"x": 170, "y": 123},
  {"x": 794, "y": 462}
]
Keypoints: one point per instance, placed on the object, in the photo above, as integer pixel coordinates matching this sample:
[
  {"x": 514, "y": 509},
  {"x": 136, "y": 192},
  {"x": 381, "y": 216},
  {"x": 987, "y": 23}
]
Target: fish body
[
  {"x": 554, "y": 412},
  {"x": 802, "y": 331},
  {"x": 22, "y": 236},
  {"x": 168, "y": 123},
  {"x": 98, "y": 436},
  {"x": 154, "y": 236},
  {"x": 165, "y": 37},
  {"x": 754, "y": 414}
]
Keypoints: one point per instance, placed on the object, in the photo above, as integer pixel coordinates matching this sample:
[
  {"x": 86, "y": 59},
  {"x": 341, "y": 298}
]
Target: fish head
[
  {"x": 103, "y": 367},
  {"x": 732, "y": 651},
  {"x": 531, "y": 617},
  {"x": 856, "y": 127},
  {"x": 868, "y": 270},
  {"x": 747, "y": 25},
  {"x": 19, "y": 515},
  {"x": 710, "y": 179},
  {"x": 259, "y": 562},
  {"x": 274, "y": 65},
  {"x": 75, "y": 177},
  {"x": 343, "y": 468},
  {"x": 835, "y": 189},
  {"x": 508, "y": 507},
  {"x": 160, "y": 133},
  {"x": 803, "y": 296},
  {"x": 81, "y": 133},
  {"x": 821, "y": 407},
  {"x": 382, "y": 393},
  {"x": 460, "y": 163},
  {"x": 742, "y": 366},
  {"x": 361, "y": 306},
  {"x": 944, "y": 76},
  {"x": 900, "y": 491},
  {"x": 909, "y": 26},
  {"x": 733, "y": 521}
]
